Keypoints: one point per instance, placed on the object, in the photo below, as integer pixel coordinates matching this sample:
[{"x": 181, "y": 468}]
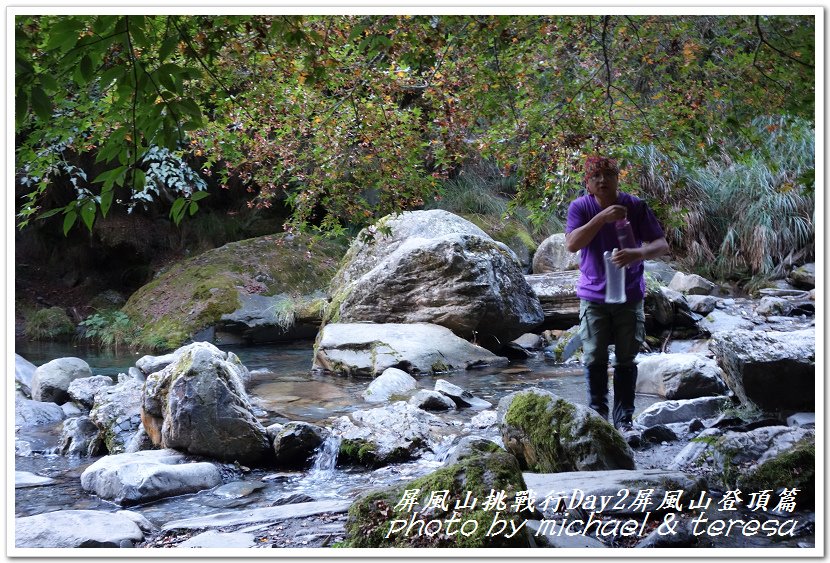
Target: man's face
[{"x": 603, "y": 184}]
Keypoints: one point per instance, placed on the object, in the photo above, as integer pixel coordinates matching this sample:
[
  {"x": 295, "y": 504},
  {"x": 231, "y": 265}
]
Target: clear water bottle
[
  {"x": 625, "y": 236},
  {"x": 614, "y": 280}
]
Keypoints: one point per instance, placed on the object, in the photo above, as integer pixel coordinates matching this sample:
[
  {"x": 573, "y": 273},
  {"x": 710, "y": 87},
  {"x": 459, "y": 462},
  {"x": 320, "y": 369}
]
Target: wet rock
[
  {"x": 549, "y": 434},
  {"x": 553, "y": 256},
  {"x": 461, "y": 397},
  {"x": 774, "y": 370},
  {"x": 383, "y": 435},
  {"x": 720, "y": 321},
  {"x": 804, "y": 276},
  {"x": 438, "y": 268},
  {"x": 802, "y": 420},
  {"x": 50, "y": 382},
  {"x": 83, "y": 390},
  {"x": 29, "y": 413},
  {"x": 213, "y": 538},
  {"x": 79, "y": 437},
  {"x": 659, "y": 433},
  {"x": 151, "y": 364},
  {"x": 691, "y": 284},
  {"x": 469, "y": 446},
  {"x": 370, "y": 349},
  {"x": 258, "y": 515},
  {"x": 667, "y": 307},
  {"x": 432, "y": 401},
  {"x": 684, "y": 410},
  {"x": 23, "y": 479},
  {"x": 263, "y": 318},
  {"x": 770, "y": 306},
  {"x": 391, "y": 382},
  {"x": 702, "y": 304},
  {"x": 557, "y": 295},
  {"x": 759, "y": 445},
  {"x": 484, "y": 419},
  {"x": 75, "y": 528},
  {"x": 295, "y": 444},
  {"x": 679, "y": 376},
  {"x": 24, "y": 371},
  {"x": 72, "y": 409},
  {"x": 117, "y": 414},
  {"x": 792, "y": 466},
  {"x": 135, "y": 478},
  {"x": 295, "y": 498},
  {"x": 529, "y": 341},
  {"x": 372, "y": 515},
  {"x": 145, "y": 525},
  {"x": 198, "y": 404},
  {"x": 237, "y": 490}
]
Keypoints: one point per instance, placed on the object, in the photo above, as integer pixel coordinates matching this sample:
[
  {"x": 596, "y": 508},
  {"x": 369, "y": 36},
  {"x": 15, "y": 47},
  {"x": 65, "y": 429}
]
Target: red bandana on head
[{"x": 594, "y": 164}]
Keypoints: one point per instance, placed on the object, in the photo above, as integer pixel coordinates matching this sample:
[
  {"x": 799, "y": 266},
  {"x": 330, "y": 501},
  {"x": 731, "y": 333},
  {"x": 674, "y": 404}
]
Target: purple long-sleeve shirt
[{"x": 591, "y": 284}]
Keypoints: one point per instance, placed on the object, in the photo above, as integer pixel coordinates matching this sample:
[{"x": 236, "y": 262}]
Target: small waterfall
[{"x": 325, "y": 458}]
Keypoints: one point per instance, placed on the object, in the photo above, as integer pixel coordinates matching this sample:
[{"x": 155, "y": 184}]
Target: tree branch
[{"x": 774, "y": 48}]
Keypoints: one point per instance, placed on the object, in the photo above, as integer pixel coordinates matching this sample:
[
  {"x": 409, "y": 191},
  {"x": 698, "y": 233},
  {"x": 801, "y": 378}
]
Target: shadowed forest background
[{"x": 141, "y": 140}]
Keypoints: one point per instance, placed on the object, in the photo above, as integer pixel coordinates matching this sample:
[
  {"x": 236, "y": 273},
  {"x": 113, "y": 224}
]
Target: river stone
[
  {"x": 461, "y": 397},
  {"x": 392, "y": 381},
  {"x": 679, "y": 376},
  {"x": 802, "y": 420},
  {"x": 370, "y": 349},
  {"x": 760, "y": 444},
  {"x": 50, "y": 382},
  {"x": 473, "y": 477},
  {"x": 469, "y": 446},
  {"x": 272, "y": 318},
  {"x": 79, "y": 437},
  {"x": 557, "y": 295},
  {"x": 720, "y": 321},
  {"x": 667, "y": 307},
  {"x": 252, "y": 516},
  {"x": 774, "y": 306},
  {"x": 296, "y": 443},
  {"x": 152, "y": 364},
  {"x": 702, "y": 304},
  {"x": 136, "y": 478},
  {"x": 76, "y": 528},
  {"x": 553, "y": 256},
  {"x": 684, "y": 410},
  {"x": 485, "y": 419},
  {"x": 24, "y": 371},
  {"x": 212, "y": 538},
  {"x": 198, "y": 404},
  {"x": 29, "y": 413},
  {"x": 83, "y": 390},
  {"x": 456, "y": 274},
  {"x": 691, "y": 284},
  {"x": 610, "y": 483},
  {"x": 24, "y": 479},
  {"x": 432, "y": 401},
  {"x": 117, "y": 413},
  {"x": 804, "y": 276},
  {"x": 529, "y": 341},
  {"x": 550, "y": 434},
  {"x": 774, "y": 370},
  {"x": 383, "y": 435}
]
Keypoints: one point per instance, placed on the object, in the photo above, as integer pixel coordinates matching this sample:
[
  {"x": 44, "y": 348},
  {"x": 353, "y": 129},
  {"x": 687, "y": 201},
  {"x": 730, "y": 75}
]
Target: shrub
[
  {"x": 110, "y": 329},
  {"x": 49, "y": 324}
]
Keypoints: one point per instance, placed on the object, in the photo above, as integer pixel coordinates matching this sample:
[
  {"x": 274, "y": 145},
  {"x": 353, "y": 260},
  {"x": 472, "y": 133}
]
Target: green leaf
[
  {"x": 48, "y": 82},
  {"x": 177, "y": 210},
  {"x": 41, "y": 104},
  {"x": 86, "y": 68},
  {"x": 68, "y": 221},
  {"x": 21, "y": 107},
  {"x": 106, "y": 202},
  {"x": 199, "y": 196},
  {"x": 194, "y": 207},
  {"x": 88, "y": 214},
  {"x": 103, "y": 24},
  {"x": 50, "y": 213},
  {"x": 167, "y": 46}
]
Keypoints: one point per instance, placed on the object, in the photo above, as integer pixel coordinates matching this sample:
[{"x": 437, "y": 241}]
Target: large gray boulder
[
  {"x": 29, "y": 413},
  {"x": 392, "y": 381},
  {"x": 429, "y": 400},
  {"x": 691, "y": 284},
  {"x": 774, "y": 370},
  {"x": 557, "y": 294},
  {"x": 50, "y": 382},
  {"x": 804, "y": 276},
  {"x": 76, "y": 528},
  {"x": 684, "y": 410},
  {"x": 721, "y": 321},
  {"x": 198, "y": 404},
  {"x": 669, "y": 308},
  {"x": 383, "y": 435},
  {"x": 135, "y": 478},
  {"x": 117, "y": 414},
  {"x": 437, "y": 268},
  {"x": 83, "y": 390},
  {"x": 553, "y": 256},
  {"x": 679, "y": 376},
  {"x": 370, "y": 349},
  {"x": 549, "y": 434},
  {"x": 24, "y": 371},
  {"x": 295, "y": 444}
]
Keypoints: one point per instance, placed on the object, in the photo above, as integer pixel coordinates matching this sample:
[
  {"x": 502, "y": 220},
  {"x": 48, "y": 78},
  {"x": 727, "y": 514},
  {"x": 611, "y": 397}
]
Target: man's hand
[
  {"x": 612, "y": 213},
  {"x": 626, "y": 256}
]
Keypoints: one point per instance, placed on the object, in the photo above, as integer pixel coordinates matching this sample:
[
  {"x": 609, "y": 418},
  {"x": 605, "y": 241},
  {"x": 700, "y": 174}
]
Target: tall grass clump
[{"x": 746, "y": 218}]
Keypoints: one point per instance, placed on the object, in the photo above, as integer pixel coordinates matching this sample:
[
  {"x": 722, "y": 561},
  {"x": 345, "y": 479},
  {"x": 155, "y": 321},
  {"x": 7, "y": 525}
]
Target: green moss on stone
[
  {"x": 795, "y": 467},
  {"x": 371, "y": 516},
  {"x": 49, "y": 324},
  {"x": 357, "y": 452}
]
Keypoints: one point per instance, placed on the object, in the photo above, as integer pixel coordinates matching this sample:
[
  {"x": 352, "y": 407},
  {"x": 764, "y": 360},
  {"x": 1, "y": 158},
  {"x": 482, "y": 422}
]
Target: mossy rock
[
  {"x": 372, "y": 516},
  {"x": 49, "y": 324},
  {"x": 549, "y": 434},
  {"x": 194, "y": 294},
  {"x": 793, "y": 468}
]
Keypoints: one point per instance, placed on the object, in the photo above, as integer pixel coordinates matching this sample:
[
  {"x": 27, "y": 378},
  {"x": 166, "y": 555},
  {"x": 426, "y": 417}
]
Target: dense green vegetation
[{"x": 348, "y": 118}]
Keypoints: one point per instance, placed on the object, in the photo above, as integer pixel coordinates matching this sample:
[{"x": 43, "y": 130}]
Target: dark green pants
[{"x": 601, "y": 325}]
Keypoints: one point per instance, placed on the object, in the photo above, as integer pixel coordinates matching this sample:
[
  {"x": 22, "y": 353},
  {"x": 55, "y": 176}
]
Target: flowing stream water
[{"x": 284, "y": 388}]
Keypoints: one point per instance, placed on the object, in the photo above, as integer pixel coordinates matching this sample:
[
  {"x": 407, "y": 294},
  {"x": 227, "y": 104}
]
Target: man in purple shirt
[{"x": 590, "y": 228}]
